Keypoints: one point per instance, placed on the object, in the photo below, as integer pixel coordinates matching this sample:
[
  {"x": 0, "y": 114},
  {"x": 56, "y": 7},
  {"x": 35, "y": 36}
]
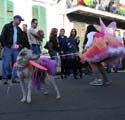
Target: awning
[{"x": 91, "y": 16}]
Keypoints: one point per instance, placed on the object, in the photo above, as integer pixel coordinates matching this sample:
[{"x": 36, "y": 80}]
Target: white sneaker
[{"x": 98, "y": 82}]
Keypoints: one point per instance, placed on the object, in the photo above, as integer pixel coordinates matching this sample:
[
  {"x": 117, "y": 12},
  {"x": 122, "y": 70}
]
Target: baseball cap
[{"x": 18, "y": 17}]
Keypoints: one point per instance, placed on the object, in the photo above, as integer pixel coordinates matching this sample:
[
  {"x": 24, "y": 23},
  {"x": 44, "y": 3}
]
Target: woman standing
[
  {"x": 86, "y": 64},
  {"x": 53, "y": 47},
  {"x": 63, "y": 50},
  {"x": 101, "y": 47},
  {"x": 73, "y": 49}
]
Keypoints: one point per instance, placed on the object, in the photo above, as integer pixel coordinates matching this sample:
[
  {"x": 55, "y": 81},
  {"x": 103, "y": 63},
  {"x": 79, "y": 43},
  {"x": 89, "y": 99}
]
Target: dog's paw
[
  {"x": 23, "y": 100},
  {"x": 58, "y": 97}
]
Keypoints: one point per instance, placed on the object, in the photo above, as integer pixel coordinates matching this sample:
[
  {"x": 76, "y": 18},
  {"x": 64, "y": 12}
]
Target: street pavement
[{"x": 79, "y": 101}]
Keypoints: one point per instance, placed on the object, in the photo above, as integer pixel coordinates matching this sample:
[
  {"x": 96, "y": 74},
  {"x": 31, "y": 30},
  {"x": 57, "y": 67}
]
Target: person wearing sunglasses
[{"x": 33, "y": 37}]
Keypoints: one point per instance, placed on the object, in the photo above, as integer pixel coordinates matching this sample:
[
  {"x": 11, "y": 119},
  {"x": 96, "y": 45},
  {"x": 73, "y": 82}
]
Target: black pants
[
  {"x": 74, "y": 64},
  {"x": 64, "y": 66},
  {"x": 87, "y": 67},
  {"x": 123, "y": 63}
]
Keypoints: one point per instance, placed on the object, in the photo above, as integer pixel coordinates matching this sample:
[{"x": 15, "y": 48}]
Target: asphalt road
[{"x": 80, "y": 101}]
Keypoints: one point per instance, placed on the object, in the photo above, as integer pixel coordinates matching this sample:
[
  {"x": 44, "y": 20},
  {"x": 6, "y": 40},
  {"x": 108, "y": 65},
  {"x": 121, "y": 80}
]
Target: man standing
[
  {"x": 25, "y": 37},
  {"x": 11, "y": 40},
  {"x": 33, "y": 37}
]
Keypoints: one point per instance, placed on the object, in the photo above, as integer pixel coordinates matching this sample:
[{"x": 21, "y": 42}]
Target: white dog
[{"x": 25, "y": 71}]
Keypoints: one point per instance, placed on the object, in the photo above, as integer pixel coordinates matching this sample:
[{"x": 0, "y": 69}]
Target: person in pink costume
[{"x": 101, "y": 47}]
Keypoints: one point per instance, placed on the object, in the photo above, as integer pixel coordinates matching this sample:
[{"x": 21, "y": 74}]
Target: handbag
[{"x": 48, "y": 45}]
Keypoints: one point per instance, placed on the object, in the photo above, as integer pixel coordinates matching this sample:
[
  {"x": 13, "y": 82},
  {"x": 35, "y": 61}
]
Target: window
[
  {"x": 6, "y": 12},
  {"x": 39, "y": 12}
]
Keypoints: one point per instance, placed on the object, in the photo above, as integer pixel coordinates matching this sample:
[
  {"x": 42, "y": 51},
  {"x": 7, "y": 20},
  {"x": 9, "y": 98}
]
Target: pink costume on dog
[{"x": 49, "y": 64}]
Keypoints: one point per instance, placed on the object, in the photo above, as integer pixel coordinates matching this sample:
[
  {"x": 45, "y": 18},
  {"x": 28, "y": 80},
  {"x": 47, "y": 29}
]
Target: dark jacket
[
  {"x": 6, "y": 37},
  {"x": 55, "y": 43},
  {"x": 25, "y": 40},
  {"x": 63, "y": 43},
  {"x": 73, "y": 45}
]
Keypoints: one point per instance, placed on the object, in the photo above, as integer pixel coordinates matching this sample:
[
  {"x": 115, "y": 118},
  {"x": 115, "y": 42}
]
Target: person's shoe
[
  {"x": 80, "y": 76},
  {"x": 108, "y": 71},
  {"x": 75, "y": 77},
  {"x": 61, "y": 77},
  {"x": 97, "y": 82},
  {"x": 107, "y": 83},
  {"x": 14, "y": 81},
  {"x": 5, "y": 82},
  {"x": 115, "y": 70},
  {"x": 65, "y": 76}
]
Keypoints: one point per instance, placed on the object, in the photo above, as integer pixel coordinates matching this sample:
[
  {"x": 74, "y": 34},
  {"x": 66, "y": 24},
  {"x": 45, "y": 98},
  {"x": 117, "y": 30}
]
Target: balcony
[{"x": 91, "y": 16}]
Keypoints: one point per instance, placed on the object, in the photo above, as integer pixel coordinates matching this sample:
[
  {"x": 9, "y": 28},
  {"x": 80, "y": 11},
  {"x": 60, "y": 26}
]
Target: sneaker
[
  {"x": 5, "y": 82},
  {"x": 97, "y": 82}
]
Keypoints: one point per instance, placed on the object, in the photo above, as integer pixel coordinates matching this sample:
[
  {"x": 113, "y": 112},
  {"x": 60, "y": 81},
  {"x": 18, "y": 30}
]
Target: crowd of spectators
[{"x": 104, "y": 5}]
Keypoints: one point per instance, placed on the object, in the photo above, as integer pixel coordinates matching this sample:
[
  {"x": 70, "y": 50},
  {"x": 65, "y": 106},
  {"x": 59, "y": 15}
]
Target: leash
[{"x": 64, "y": 55}]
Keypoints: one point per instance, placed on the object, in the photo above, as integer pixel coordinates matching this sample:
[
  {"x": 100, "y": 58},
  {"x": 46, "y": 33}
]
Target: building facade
[
  {"x": 49, "y": 13},
  {"x": 28, "y": 9},
  {"x": 66, "y": 14},
  {"x": 84, "y": 12}
]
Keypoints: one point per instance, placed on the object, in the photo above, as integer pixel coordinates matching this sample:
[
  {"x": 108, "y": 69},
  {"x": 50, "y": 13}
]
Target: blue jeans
[
  {"x": 36, "y": 49},
  {"x": 53, "y": 55},
  {"x": 9, "y": 58},
  {"x": 109, "y": 67}
]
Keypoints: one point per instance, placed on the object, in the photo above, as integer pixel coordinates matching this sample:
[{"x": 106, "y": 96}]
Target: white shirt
[
  {"x": 32, "y": 39},
  {"x": 90, "y": 39},
  {"x": 14, "y": 36}
]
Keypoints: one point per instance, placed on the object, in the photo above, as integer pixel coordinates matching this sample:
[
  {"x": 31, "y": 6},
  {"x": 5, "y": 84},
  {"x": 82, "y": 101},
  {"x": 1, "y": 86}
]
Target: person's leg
[
  {"x": 116, "y": 68},
  {"x": 79, "y": 66},
  {"x": 68, "y": 66},
  {"x": 116, "y": 65},
  {"x": 96, "y": 72},
  {"x": 65, "y": 63},
  {"x": 15, "y": 53},
  {"x": 33, "y": 48},
  {"x": 80, "y": 70},
  {"x": 62, "y": 67},
  {"x": 74, "y": 67},
  {"x": 104, "y": 75},
  {"x": 123, "y": 63},
  {"x": 6, "y": 64},
  {"x": 87, "y": 68},
  {"x": 53, "y": 55},
  {"x": 109, "y": 67},
  {"x": 36, "y": 49}
]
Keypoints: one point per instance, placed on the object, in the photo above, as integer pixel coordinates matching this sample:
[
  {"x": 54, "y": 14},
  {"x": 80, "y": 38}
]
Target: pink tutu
[{"x": 104, "y": 46}]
